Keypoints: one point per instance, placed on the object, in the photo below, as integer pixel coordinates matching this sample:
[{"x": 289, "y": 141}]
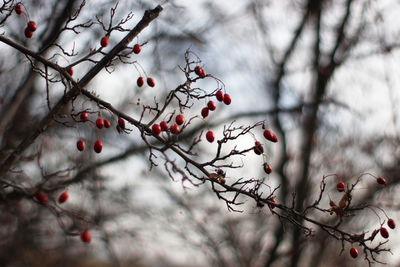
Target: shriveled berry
[
  {"x": 70, "y": 71},
  {"x": 104, "y": 41},
  {"x": 273, "y": 200},
  {"x": 164, "y": 126},
  {"x": 18, "y": 8},
  {"x": 391, "y": 223},
  {"x": 227, "y": 99},
  {"x": 63, "y": 197},
  {"x": 267, "y": 168},
  {"x": 204, "y": 112},
  {"x": 100, "y": 123},
  {"x": 121, "y": 123},
  {"x": 31, "y": 25},
  {"x": 174, "y": 128},
  {"x": 180, "y": 119},
  {"x": 84, "y": 116},
  {"x": 156, "y": 129},
  {"x": 381, "y": 181},
  {"x": 210, "y": 136},
  {"x": 137, "y": 48},
  {"x": 270, "y": 136},
  {"x": 140, "y": 81},
  {"x": 80, "y": 145},
  {"x": 258, "y": 149},
  {"x": 340, "y": 186},
  {"x": 384, "y": 232},
  {"x": 107, "y": 123},
  {"x": 220, "y": 95},
  {"x": 354, "y": 252},
  {"x": 86, "y": 237},
  {"x": 211, "y": 105},
  {"x": 151, "y": 82},
  {"x": 28, "y": 33},
  {"x": 98, "y": 146},
  {"x": 42, "y": 197}
]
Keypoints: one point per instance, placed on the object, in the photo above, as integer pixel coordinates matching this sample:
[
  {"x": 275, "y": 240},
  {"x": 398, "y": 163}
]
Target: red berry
[
  {"x": 42, "y": 197},
  {"x": 156, "y": 129},
  {"x": 267, "y": 168},
  {"x": 70, "y": 71},
  {"x": 197, "y": 70},
  {"x": 137, "y": 48},
  {"x": 86, "y": 237},
  {"x": 100, "y": 123},
  {"x": 340, "y": 186},
  {"x": 174, "y": 128},
  {"x": 98, "y": 146},
  {"x": 270, "y": 136},
  {"x": 211, "y": 105},
  {"x": 164, "y": 126},
  {"x": 28, "y": 33},
  {"x": 18, "y": 9},
  {"x": 180, "y": 119},
  {"x": 151, "y": 82},
  {"x": 220, "y": 95},
  {"x": 121, "y": 123},
  {"x": 210, "y": 136},
  {"x": 140, "y": 81},
  {"x": 354, "y": 252},
  {"x": 391, "y": 223},
  {"x": 227, "y": 99},
  {"x": 202, "y": 73},
  {"x": 80, "y": 145},
  {"x": 204, "y": 112},
  {"x": 63, "y": 197},
  {"x": 104, "y": 41},
  {"x": 31, "y": 25},
  {"x": 84, "y": 116},
  {"x": 107, "y": 123},
  {"x": 384, "y": 232},
  {"x": 258, "y": 149},
  {"x": 381, "y": 180},
  {"x": 273, "y": 200}
]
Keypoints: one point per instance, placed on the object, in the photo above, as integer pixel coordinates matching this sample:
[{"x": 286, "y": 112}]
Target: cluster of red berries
[
  {"x": 200, "y": 71},
  {"x": 150, "y": 81},
  {"x": 30, "y": 26},
  {"x": 156, "y": 129},
  {"x": 43, "y": 198}
]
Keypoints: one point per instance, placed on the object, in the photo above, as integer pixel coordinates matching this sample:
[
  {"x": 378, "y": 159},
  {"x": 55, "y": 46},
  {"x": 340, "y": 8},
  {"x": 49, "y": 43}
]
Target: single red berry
[
  {"x": 63, "y": 197},
  {"x": 104, "y": 41},
  {"x": 267, "y": 168},
  {"x": 98, "y": 146},
  {"x": 204, "y": 112},
  {"x": 100, "y": 123},
  {"x": 180, "y": 119},
  {"x": 210, "y": 136},
  {"x": 164, "y": 126},
  {"x": 354, "y": 252},
  {"x": 174, "y": 128},
  {"x": 80, "y": 145},
  {"x": 381, "y": 180},
  {"x": 156, "y": 129},
  {"x": 28, "y": 33},
  {"x": 227, "y": 99},
  {"x": 258, "y": 149},
  {"x": 107, "y": 123},
  {"x": 86, "y": 237},
  {"x": 31, "y": 25},
  {"x": 137, "y": 48},
  {"x": 273, "y": 200},
  {"x": 391, "y": 223},
  {"x": 197, "y": 70},
  {"x": 202, "y": 73},
  {"x": 42, "y": 197},
  {"x": 84, "y": 116},
  {"x": 340, "y": 186},
  {"x": 70, "y": 71},
  {"x": 121, "y": 123},
  {"x": 18, "y": 8},
  {"x": 140, "y": 81},
  {"x": 211, "y": 105},
  {"x": 151, "y": 82},
  {"x": 220, "y": 95},
  {"x": 270, "y": 136},
  {"x": 384, "y": 232}
]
